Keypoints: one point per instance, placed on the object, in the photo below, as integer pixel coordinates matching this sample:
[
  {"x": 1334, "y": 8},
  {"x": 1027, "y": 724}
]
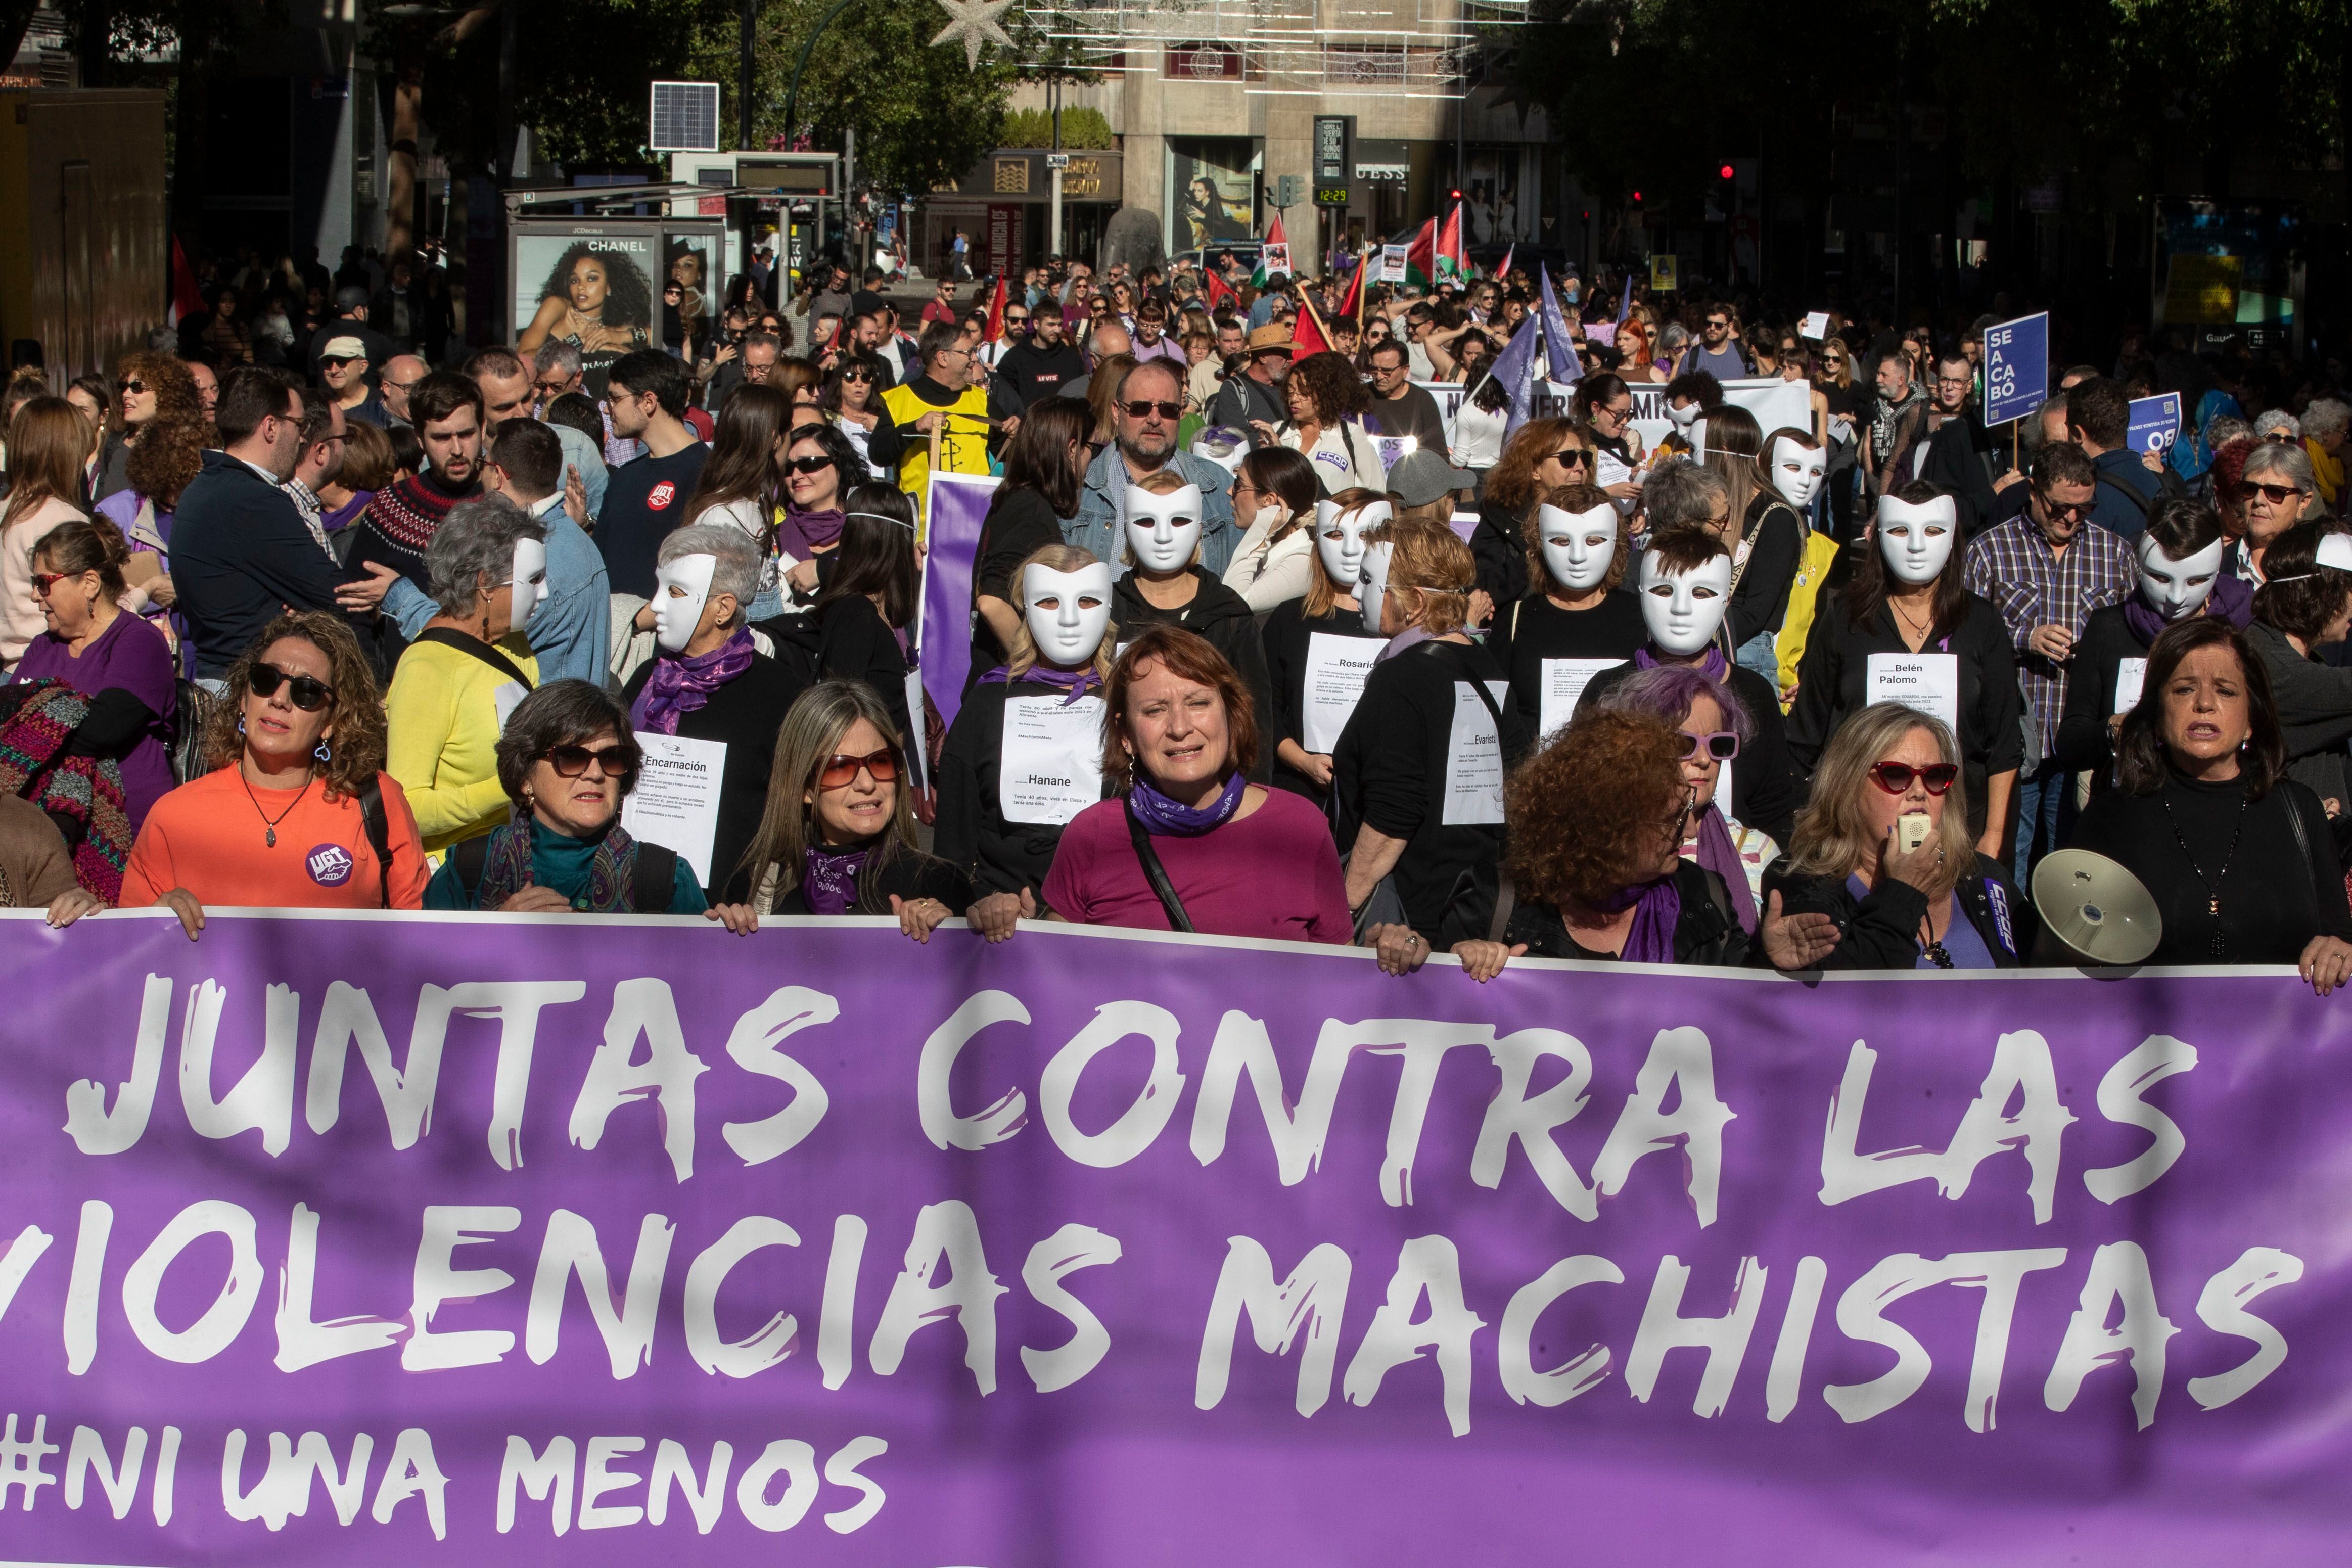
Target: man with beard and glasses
[{"x": 1144, "y": 420}]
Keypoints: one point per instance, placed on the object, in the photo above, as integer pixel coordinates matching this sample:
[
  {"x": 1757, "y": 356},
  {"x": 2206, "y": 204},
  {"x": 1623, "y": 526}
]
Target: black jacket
[
  {"x": 1963, "y": 459},
  {"x": 1882, "y": 931},
  {"x": 240, "y": 554},
  {"x": 1500, "y": 552},
  {"x": 973, "y": 834},
  {"x": 1242, "y": 399},
  {"x": 745, "y": 715},
  {"x": 1764, "y": 792},
  {"x": 1030, "y": 371},
  {"x": 2084, "y": 745},
  {"x": 1708, "y": 932}
]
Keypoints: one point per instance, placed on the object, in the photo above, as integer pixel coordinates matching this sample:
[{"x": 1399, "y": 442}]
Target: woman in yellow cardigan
[{"x": 464, "y": 674}]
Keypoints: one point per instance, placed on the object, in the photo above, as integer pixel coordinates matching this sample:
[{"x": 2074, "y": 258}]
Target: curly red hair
[{"x": 1585, "y": 813}]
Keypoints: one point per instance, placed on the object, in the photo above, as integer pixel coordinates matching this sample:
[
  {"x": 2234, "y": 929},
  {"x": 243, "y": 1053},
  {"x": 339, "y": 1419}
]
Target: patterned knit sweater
[{"x": 400, "y": 522}]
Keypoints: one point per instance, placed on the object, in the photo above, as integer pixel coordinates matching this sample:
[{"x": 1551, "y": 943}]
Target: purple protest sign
[
  {"x": 422, "y": 1240},
  {"x": 957, "y": 508}
]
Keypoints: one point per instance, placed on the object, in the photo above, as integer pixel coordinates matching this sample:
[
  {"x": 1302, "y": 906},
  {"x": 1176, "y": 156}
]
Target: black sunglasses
[
  {"x": 1141, "y": 409},
  {"x": 806, "y": 465},
  {"x": 856, "y": 373},
  {"x": 304, "y": 692},
  {"x": 134, "y": 384},
  {"x": 572, "y": 762},
  {"x": 1572, "y": 458}
]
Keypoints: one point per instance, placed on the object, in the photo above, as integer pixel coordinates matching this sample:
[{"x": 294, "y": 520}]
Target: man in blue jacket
[
  {"x": 2098, "y": 420},
  {"x": 1144, "y": 443},
  {"x": 240, "y": 552}
]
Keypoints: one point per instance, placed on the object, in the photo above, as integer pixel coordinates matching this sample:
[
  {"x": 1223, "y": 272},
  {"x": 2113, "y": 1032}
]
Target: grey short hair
[
  {"x": 738, "y": 568},
  {"x": 2277, "y": 422},
  {"x": 1675, "y": 336},
  {"x": 2224, "y": 428},
  {"x": 2326, "y": 418},
  {"x": 556, "y": 355},
  {"x": 475, "y": 544},
  {"x": 2272, "y": 458}
]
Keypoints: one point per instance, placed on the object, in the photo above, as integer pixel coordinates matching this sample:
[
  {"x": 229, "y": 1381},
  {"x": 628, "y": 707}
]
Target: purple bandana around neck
[
  {"x": 829, "y": 878},
  {"x": 1652, "y": 937},
  {"x": 1163, "y": 816},
  {"x": 1405, "y": 640},
  {"x": 1716, "y": 853},
  {"x": 2232, "y": 599},
  {"x": 1073, "y": 681},
  {"x": 680, "y": 685},
  {"x": 1715, "y": 667},
  {"x": 802, "y": 532}
]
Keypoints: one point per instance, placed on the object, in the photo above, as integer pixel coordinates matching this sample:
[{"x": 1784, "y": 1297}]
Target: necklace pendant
[
  {"x": 269, "y": 838},
  {"x": 2214, "y": 908}
]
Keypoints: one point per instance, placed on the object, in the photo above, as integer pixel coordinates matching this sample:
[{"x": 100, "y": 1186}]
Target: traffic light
[
  {"x": 1726, "y": 172},
  {"x": 1637, "y": 198},
  {"x": 1289, "y": 190}
]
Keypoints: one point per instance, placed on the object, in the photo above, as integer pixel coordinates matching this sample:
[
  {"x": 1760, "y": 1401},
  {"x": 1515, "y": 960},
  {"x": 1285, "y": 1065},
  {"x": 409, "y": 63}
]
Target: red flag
[
  {"x": 1308, "y": 336},
  {"x": 996, "y": 313},
  {"x": 1420, "y": 257},
  {"x": 1217, "y": 290},
  {"x": 1453, "y": 261},
  {"x": 187, "y": 299},
  {"x": 1353, "y": 302}
]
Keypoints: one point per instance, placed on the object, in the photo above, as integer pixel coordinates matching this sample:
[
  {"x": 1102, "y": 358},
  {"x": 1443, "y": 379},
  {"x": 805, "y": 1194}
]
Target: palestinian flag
[
  {"x": 1453, "y": 261},
  {"x": 1420, "y": 257},
  {"x": 1505, "y": 269},
  {"x": 1273, "y": 257}
]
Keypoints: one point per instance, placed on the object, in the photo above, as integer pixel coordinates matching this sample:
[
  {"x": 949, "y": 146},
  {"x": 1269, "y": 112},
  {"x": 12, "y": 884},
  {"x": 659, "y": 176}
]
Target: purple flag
[
  {"x": 1625, "y": 300},
  {"x": 409, "y": 1241},
  {"x": 1559, "y": 348},
  {"x": 1514, "y": 367},
  {"x": 957, "y": 508}
]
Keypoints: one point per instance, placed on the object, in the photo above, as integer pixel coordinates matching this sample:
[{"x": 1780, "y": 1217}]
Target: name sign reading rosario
[{"x": 390, "y": 1240}]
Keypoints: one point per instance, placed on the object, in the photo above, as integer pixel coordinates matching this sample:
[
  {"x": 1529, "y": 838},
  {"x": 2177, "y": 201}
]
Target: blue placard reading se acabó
[
  {"x": 2016, "y": 368},
  {"x": 2154, "y": 422}
]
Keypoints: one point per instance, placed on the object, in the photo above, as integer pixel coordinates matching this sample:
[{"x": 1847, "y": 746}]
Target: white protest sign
[
  {"x": 1816, "y": 325},
  {"x": 1775, "y": 404},
  {"x": 1049, "y": 765},
  {"x": 2131, "y": 678},
  {"x": 1391, "y": 449},
  {"x": 1564, "y": 681},
  {"x": 1448, "y": 395},
  {"x": 676, "y": 803},
  {"x": 1336, "y": 669},
  {"x": 1927, "y": 681},
  {"x": 1473, "y": 759},
  {"x": 1393, "y": 263}
]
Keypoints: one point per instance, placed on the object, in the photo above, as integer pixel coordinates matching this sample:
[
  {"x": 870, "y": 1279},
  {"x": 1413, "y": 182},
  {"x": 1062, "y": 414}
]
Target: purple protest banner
[
  {"x": 957, "y": 508},
  {"x": 382, "y": 1241}
]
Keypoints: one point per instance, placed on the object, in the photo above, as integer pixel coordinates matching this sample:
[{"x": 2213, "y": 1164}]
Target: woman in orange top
[{"x": 296, "y": 748}]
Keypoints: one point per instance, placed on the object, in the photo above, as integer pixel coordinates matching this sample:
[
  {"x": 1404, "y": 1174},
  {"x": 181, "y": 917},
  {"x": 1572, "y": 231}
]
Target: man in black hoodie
[{"x": 1044, "y": 365}]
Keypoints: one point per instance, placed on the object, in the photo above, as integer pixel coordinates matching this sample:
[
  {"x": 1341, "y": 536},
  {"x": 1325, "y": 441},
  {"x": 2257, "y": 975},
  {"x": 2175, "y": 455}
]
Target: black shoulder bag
[
  {"x": 1156, "y": 874},
  {"x": 466, "y": 644}
]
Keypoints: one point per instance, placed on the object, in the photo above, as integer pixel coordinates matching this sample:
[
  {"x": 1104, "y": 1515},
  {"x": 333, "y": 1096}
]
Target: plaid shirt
[{"x": 2012, "y": 567}]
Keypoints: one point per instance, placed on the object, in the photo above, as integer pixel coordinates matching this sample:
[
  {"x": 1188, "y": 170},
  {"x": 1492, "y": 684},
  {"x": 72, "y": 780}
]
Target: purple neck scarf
[
  {"x": 1163, "y": 816},
  {"x": 2232, "y": 599},
  {"x": 829, "y": 878},
  {"x": 1652, "y": 937},
  {"x": 680, "y": 685},
  {"x": 802, "y": 530},
  {"x": 1715, "y": 667},
  {"x": 1073, "y": 681},
  {"x": 1411, "y": 637},
  {"x": 1717, "y": 853}
]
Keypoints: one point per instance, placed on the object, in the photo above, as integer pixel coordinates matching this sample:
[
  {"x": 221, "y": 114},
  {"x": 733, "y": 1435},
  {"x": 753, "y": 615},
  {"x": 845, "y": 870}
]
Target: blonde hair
[
  {"x": 1832, "y": 838},
  {"x": 1430, "y": 558},
  {"x": 1022, "y": 657}
]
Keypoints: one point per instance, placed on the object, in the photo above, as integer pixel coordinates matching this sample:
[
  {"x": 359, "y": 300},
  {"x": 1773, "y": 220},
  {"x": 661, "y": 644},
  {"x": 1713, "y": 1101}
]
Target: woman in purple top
[
  {"x": 1233, "y": 858},
  {"x": 116, "y": 660},
  {"x": 168, "y": 452}
]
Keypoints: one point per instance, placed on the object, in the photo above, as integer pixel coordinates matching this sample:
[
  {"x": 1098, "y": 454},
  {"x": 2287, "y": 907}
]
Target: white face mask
[
  {"x": 1797, "y": 472},
  {"x": 1683, "y": 610},
  {"x": 1339, "y": 540},
  {"x": 1372, "y": 584},
  {"x": 2178, "y": 588},
  {"x": 1162, "y": 531},
  {"x": 681, "y": 587},
  {"x": 529, "y": 580},
  {"x": 1068, "y": 612},
  {"x": 1577, "y": 546},
  {"x": 1915, "y": 541},
  {"x": 1684, "y": 415}
]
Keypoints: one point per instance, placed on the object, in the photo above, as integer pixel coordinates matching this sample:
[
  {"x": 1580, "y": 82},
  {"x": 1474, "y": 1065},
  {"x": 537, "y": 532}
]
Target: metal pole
[
  {"x": 1053, "y": 96},
  {"x": 743, "y": 78},
  {"x": 792, "y": 93}
]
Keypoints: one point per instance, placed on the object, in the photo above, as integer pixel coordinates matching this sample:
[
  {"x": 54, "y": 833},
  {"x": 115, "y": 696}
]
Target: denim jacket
[{"x": 1102, "y": 509}]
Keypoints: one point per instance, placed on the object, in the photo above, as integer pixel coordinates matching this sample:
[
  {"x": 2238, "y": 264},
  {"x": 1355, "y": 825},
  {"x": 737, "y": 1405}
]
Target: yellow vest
[{"x": 964, "y": 437}]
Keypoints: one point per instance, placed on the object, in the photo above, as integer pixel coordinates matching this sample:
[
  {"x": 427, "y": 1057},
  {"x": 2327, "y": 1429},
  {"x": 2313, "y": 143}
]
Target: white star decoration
[{"x": 974, "y": 22}]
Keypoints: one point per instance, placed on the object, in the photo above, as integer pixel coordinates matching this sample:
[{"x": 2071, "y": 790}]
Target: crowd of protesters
[{"x": 308, "y": 605}]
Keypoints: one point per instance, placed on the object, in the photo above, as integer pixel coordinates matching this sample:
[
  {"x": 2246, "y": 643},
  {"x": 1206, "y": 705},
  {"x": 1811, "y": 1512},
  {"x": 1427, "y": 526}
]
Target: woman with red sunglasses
[
  {"x": 838, "y": 836},
  {"x": 1935, "y": 905},
  {"x": 568, "y": 761}
]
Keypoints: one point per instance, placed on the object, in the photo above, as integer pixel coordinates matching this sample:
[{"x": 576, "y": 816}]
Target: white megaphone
[{"x": 2092, "y": 912}]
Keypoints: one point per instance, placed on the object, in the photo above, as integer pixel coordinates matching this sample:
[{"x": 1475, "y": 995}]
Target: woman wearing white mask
[
  {"x": 1274, "y": 489},
  {"x": 708, "y": 684},
  {"x": 1317, "y": 649},
  {"x": 1798, "y": 466},
  {"x": 1905, "y": 629},
  {"x": 1765, "y": 537},
  {"x": 1024, "y": 753},
  {"x": 1418, "y": 773},
  {"x": 2181, "y": 575},
  {"x": 2304, "y": 604},
  {"x": 1045, "y": 465},
  {"x": 456, "y": 684},
  {"x": 1682, "y": 586},
  {"x": 1167, "y": 586},
  {"x": 1579, "y": 620}
]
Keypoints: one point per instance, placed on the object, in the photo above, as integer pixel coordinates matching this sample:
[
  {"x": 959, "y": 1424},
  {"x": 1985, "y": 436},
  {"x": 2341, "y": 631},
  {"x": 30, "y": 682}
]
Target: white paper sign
[
  {"x": 1816, "y": 325},
  {"x": 2131, "y": 677},
  {"x": 1927, "y": 681},
  {"x": 1448, "y": 395},
  {"x": 1336, "y": 669},
  {"x": 1395, "y": 259},
  {"x": 505, "y": 699},
  {"x": 1050, "y": 765},
  {"x": 676, "y": 803},
  {"x": 1473, "y": 759},
  {"x": 1776, "y": 404},
  {"x": 1564, "y": 681}
]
